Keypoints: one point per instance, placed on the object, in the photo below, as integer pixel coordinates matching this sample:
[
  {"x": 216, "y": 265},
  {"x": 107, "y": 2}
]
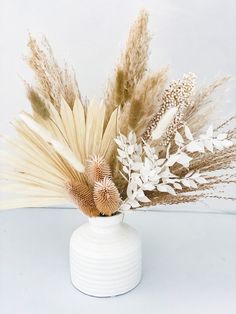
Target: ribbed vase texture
[{"x": 105, "y": 257}]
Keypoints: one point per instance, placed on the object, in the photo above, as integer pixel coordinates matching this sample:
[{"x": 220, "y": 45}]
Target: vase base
[{"x": 107, "y": 296}]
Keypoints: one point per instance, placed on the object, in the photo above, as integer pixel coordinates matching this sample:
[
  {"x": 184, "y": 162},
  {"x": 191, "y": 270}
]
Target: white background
[{"x": 190, "y": 262}]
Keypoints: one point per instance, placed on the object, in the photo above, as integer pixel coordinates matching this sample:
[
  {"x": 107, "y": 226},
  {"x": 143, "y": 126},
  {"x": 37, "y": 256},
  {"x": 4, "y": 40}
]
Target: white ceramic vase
[{"x": 105, "y": 257}]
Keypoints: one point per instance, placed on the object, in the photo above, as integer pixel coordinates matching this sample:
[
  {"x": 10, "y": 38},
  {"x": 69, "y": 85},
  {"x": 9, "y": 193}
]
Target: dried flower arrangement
[{"x": 146, "y": 143}]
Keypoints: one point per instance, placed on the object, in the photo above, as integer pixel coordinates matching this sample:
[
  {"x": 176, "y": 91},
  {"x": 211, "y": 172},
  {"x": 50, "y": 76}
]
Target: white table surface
[{"x": 189, "y": 265}]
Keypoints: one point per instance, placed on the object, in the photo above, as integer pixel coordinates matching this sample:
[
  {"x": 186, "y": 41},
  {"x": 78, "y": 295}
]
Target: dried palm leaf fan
[{"x": 148, "y": 142}]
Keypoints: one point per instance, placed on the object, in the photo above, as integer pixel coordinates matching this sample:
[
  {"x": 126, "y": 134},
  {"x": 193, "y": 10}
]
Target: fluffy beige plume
[
  {"x": 131, "y": 68},
  {"x": 135, "y": 57},
  {"x": 37, "y": 103},
  {"x": 203, "y": 107},
  {"x": 164, "y": 123},
  {"x": 96, "y": 169},
  {"x": 106, "y": 197},
  {"x": 146, "y": 100},
  {"x": 82, "y": 196},
  {"x": 52, "y": 82}
]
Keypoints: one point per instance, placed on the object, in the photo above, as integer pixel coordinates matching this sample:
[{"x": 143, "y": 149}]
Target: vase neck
[{"x": 106, "y": 222}]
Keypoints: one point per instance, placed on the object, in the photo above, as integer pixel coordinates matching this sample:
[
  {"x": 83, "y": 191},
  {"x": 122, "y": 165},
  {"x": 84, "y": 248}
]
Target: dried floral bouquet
[{"x": 148, "y": 142}]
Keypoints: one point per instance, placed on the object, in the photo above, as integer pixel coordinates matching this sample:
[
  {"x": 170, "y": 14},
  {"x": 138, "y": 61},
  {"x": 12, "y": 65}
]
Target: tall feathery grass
[{"x": 148, "y": 142}]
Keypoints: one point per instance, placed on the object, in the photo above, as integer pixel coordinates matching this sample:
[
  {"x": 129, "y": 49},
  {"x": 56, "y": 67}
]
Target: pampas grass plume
[{"x": 37, "y": 103}]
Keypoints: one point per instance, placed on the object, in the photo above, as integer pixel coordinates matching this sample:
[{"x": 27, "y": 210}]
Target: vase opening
[{"x": 106, "y": 221}]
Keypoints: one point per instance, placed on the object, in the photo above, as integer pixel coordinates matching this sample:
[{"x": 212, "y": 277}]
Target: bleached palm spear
[{"x": 47, "y": 154}]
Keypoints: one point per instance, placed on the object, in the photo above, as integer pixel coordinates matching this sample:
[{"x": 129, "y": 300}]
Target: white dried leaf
[
  {"x": 125, "y": 207},
  {"x": 147, "y": 163},
  {"x": 208, "y": 144},
  {"x": 209, "y": 132},
  {"x": 195, "y": 146},
  {"x": 160, "y": 161},
  {"x": 200, "y": 180},
  {"x": 227, "y": 143},
  {"x": 165, "y": 188},
  {"x": 222, "y": 136},
  {"x": 184, "y": 160},
  {"x": 123, "y": 161},
  {"x": 172, "y": 160},
  {"x": 136, "y": 166},
  {"x": 170, "y": 190},
  {"x": 141, "y": 197},
  {"x": 218, "y": 145},
  {"x": 121, "y": 153},
  {"x": 122, "y": 138},
  {"x": 132, "y": 138},
  {"x": 186, "y": 182},
  {"x": 188, "y": 133},
  {"x": 178, "y": 139},
  {"x": 165, "y": 173},
  {"x": 162, "y": 188},
  {"x": 125, "y": 169},
  {"x": 177, "y": 186},
  {"x": 118, "y": 142},
  {"x": 189, "y": 174},
  {"x": 148, "y": 186},
  {"x": 192, "y": 184},
  {"x": 131, "y": 149},
  {"x": 134, "y": 203},
  {"x": 149, "y": 150},
  {"x": 139, "y": 182},
  {"x": 130, "y": 191}
]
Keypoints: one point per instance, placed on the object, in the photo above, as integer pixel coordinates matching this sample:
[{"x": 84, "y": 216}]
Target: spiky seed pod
[
  {"x": 97, "y": 169},
  {"x": 106, "y": 197},
  {"x": 82, "y": 196}
]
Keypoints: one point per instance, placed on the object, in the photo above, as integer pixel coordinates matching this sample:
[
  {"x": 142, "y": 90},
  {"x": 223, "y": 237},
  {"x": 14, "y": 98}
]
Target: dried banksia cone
[
  {"x": 97, "y": 169},
  {"x": 106, "y": 197},
  {"x": 82, "y": 196}
]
